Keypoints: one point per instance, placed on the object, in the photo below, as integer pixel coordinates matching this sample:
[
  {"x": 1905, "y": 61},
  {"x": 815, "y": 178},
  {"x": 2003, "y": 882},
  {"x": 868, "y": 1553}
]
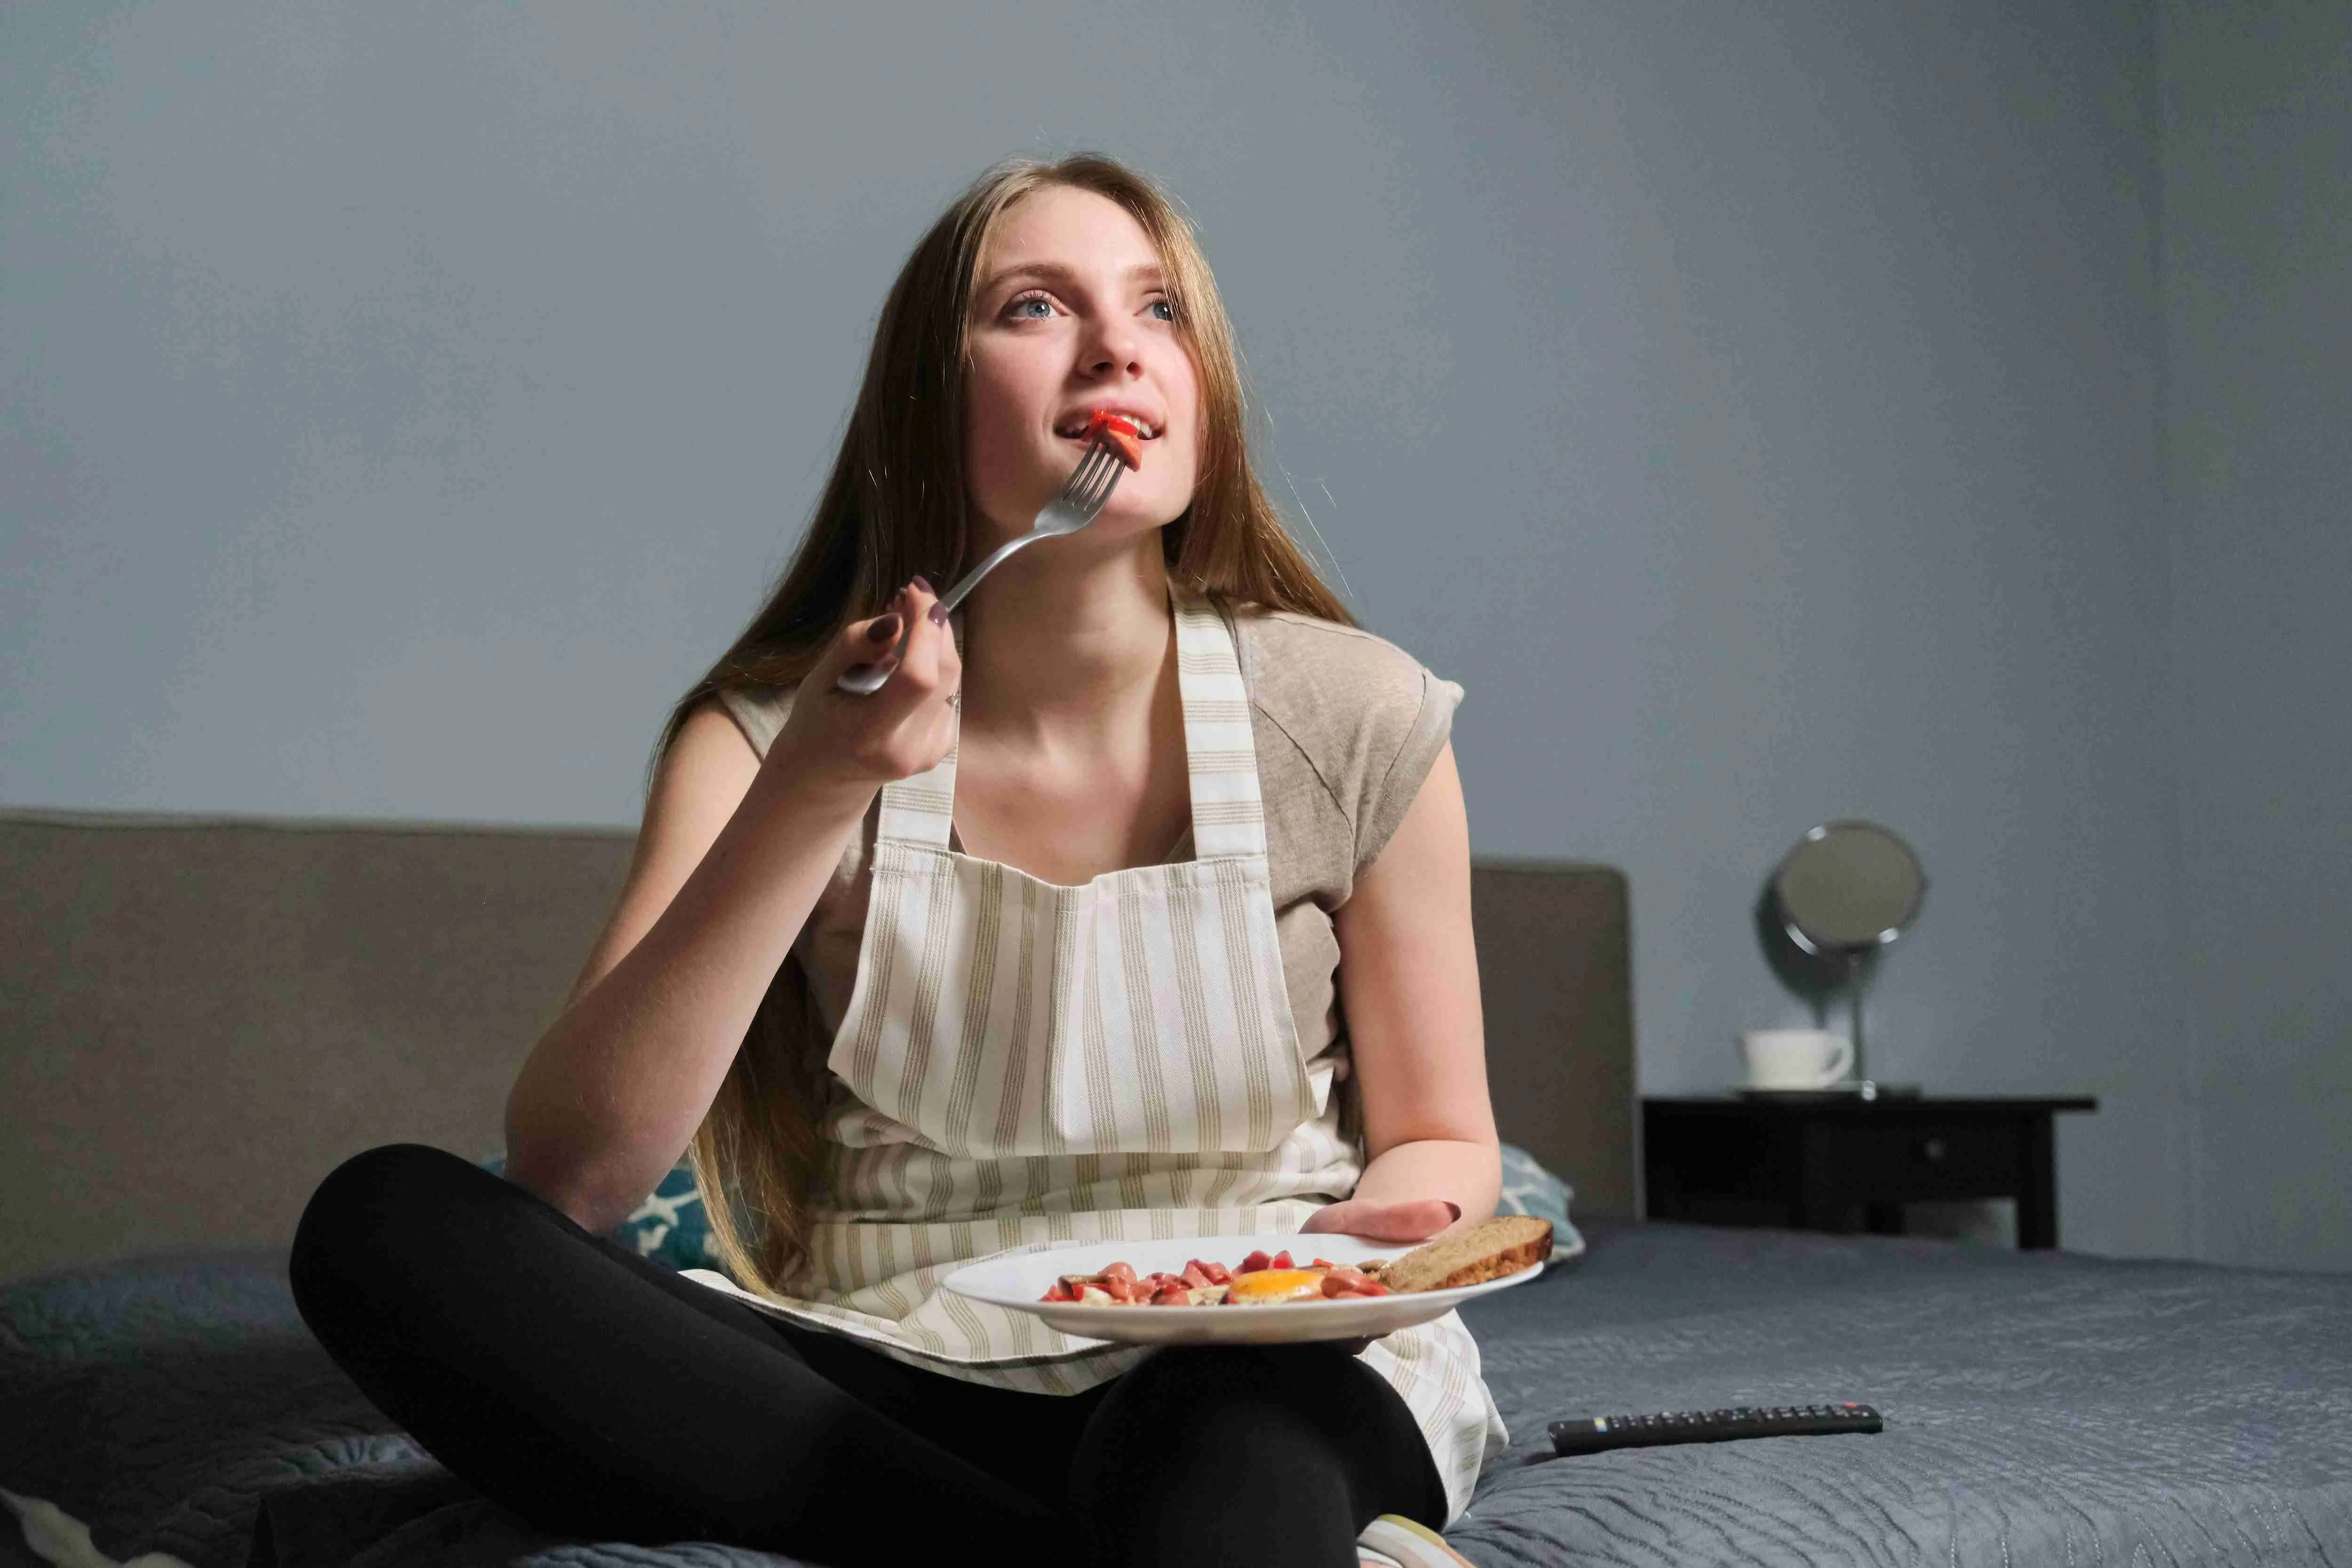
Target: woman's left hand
[{"x": 1415, "y": 1221}]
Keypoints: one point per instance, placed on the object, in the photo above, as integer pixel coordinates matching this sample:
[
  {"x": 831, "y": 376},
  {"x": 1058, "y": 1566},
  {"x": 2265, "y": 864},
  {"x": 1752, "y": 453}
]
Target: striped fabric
[{"x": 1024, "y": 1064}]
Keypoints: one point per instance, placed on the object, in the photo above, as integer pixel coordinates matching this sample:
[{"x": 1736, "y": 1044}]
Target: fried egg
[{"x": 1270, "y": 1285}]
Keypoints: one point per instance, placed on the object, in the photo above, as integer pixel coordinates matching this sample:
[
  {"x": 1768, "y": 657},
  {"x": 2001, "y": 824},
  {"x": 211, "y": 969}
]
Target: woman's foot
[{"x": 1393, "y": 1541}]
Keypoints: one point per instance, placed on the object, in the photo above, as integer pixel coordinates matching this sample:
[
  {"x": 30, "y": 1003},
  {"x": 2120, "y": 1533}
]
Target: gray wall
[
  {"x": 2258, "y": 275},
  {"x": 1756, "y": 410}
]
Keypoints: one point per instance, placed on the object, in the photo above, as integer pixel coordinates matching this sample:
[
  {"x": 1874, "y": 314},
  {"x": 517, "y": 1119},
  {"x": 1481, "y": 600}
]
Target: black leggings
[{"x": 597, "y": 1394}]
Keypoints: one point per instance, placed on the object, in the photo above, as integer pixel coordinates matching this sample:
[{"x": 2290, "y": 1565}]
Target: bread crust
[{"x": 1506, "y": 1243}]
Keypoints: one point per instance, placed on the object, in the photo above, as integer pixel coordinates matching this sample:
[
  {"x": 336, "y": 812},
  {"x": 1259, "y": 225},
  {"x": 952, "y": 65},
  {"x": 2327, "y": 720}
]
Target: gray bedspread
[{"x": 2041, "y": 1408}]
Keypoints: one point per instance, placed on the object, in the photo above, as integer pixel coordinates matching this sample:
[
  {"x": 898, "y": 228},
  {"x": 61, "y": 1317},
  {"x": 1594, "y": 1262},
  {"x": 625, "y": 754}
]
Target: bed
[{"x": 202, "y": 1016}]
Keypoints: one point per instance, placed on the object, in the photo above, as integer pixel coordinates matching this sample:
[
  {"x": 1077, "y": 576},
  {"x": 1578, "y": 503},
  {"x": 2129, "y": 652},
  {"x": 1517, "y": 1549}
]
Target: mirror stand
[
  {"x": 1861, "y": 1084},
  {"x": 1860, "y": 1073}
]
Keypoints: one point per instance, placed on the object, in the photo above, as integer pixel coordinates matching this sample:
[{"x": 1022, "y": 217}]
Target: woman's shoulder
[
  {"x": 759, "y": 712},
  {"x": 1325, "y": 677},
  {"x": 1361, "y": 718}
]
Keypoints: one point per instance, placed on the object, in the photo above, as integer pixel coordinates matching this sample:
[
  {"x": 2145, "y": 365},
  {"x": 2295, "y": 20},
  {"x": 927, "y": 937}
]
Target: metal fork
[{"x": 1078, "y": 503}]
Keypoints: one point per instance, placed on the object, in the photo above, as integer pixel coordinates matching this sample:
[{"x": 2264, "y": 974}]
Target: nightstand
[{"x": 1845, "y": 1164}]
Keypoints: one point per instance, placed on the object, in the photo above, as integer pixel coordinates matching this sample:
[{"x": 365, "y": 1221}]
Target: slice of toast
[{"x": 1488, "y": 1250}]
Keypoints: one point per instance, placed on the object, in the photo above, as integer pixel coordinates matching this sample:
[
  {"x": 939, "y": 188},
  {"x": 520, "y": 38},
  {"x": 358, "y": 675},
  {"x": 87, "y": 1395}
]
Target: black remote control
[{"x": 1591, "y": 1433}]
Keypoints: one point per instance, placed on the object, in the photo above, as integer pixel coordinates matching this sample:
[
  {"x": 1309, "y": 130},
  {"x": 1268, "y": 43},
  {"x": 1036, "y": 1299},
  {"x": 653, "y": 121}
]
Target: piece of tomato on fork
[{"x": 1121, "y": 433}]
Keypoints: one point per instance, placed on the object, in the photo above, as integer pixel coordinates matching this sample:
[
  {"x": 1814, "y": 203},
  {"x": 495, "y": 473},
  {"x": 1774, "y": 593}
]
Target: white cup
[{"x": 1795, "y": 1058}]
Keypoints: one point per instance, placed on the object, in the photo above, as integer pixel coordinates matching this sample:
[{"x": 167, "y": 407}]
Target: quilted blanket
[{"x": 2040, "y": 1408}]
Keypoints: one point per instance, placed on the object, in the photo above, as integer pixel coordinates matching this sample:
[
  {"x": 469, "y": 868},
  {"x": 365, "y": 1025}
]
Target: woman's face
[{"x": 1069, "y": 314}]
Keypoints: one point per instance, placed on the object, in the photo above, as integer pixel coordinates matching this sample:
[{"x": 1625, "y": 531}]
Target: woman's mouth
[
  {"x": 1120, "y": 431},
  {"x": 1078, "y": 429}
]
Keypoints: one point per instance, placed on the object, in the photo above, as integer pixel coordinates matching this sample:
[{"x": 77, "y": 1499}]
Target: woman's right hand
[{"x": 835, "y": 736}]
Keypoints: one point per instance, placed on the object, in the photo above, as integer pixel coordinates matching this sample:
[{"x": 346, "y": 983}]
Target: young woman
[{"x": 1135, "y": 903}]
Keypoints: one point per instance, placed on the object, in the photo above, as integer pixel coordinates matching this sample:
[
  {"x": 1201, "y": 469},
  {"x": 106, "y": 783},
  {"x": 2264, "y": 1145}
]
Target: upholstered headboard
[
  {"x": 200, "y": 1018},
  {"x": 1555, "y": 969}
]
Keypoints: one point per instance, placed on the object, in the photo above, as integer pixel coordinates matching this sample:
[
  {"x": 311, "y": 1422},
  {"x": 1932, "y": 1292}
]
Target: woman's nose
[{"x": 1111, "y": 346}]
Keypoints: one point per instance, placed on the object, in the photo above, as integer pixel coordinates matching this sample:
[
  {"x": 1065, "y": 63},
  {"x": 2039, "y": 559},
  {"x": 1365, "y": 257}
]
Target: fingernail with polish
[
  {"x": 939, "y": 613},
  {"x": 884, "y": 629},
  {"x": 921, "y": 582}
]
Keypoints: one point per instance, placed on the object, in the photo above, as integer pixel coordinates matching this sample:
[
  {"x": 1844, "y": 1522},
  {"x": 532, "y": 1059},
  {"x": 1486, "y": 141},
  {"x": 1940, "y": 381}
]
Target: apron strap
[
  {"x": 1220, "y": 752},
  {"x": 921, "y": 809}
]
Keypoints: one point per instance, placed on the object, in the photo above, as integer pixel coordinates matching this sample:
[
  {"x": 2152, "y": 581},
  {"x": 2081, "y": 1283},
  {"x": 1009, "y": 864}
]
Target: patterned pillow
[
  {"x": 1528, "y": 1188},
  {"x": 669, "y": 1227}
]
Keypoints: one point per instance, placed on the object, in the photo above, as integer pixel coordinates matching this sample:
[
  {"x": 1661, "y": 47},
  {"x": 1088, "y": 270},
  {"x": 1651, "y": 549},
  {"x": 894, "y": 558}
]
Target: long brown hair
[{"x": 896, "y": 505}]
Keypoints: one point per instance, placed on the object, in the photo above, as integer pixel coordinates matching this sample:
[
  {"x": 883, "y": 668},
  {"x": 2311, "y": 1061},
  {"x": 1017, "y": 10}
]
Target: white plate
[{"x": 1015, "y": 1280}]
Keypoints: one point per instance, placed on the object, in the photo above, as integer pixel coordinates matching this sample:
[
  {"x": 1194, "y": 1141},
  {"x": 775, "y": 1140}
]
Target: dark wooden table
[{"x": 1847, "y": 1165}]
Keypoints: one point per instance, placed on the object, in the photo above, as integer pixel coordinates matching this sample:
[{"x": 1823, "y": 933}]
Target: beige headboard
[{"x": 200, "y": 1018}]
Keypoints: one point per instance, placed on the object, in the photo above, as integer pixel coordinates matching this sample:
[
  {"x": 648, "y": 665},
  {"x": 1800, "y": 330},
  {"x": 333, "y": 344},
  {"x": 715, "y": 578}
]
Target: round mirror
[{"x": 1848, "y": 887}]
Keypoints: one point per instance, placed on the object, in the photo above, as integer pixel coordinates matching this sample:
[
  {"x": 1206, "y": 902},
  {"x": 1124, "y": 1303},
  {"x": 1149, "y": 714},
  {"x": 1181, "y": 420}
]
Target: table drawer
[{"x": 1895, "y": 1165}]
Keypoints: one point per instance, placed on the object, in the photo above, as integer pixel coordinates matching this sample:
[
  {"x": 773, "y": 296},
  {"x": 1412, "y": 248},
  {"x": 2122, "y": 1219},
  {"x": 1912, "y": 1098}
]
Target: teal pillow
[
  {"x": 670, "y": 1226},
  {"x": 1528, "y": 1188}
]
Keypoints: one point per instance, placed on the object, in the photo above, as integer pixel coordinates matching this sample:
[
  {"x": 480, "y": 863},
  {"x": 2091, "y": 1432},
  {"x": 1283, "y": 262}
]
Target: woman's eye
[{"x": 1018, "y": 308}]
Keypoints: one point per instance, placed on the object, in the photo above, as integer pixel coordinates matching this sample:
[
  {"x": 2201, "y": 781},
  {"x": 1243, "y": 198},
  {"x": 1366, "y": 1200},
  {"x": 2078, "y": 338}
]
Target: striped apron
[{"x": 1022, "y": 1065}]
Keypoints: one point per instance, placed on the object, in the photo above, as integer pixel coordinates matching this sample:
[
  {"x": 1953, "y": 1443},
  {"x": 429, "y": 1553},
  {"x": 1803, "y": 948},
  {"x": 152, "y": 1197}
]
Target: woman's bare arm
[
  {"x": 1408, "y": 985},
  {"x": 724, "y": 877},
  {"x": 733, "y": 854}
]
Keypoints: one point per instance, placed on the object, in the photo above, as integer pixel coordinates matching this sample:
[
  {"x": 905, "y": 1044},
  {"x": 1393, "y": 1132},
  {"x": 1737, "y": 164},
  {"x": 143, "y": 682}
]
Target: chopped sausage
[{"x": 1202, "y": 1283}]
